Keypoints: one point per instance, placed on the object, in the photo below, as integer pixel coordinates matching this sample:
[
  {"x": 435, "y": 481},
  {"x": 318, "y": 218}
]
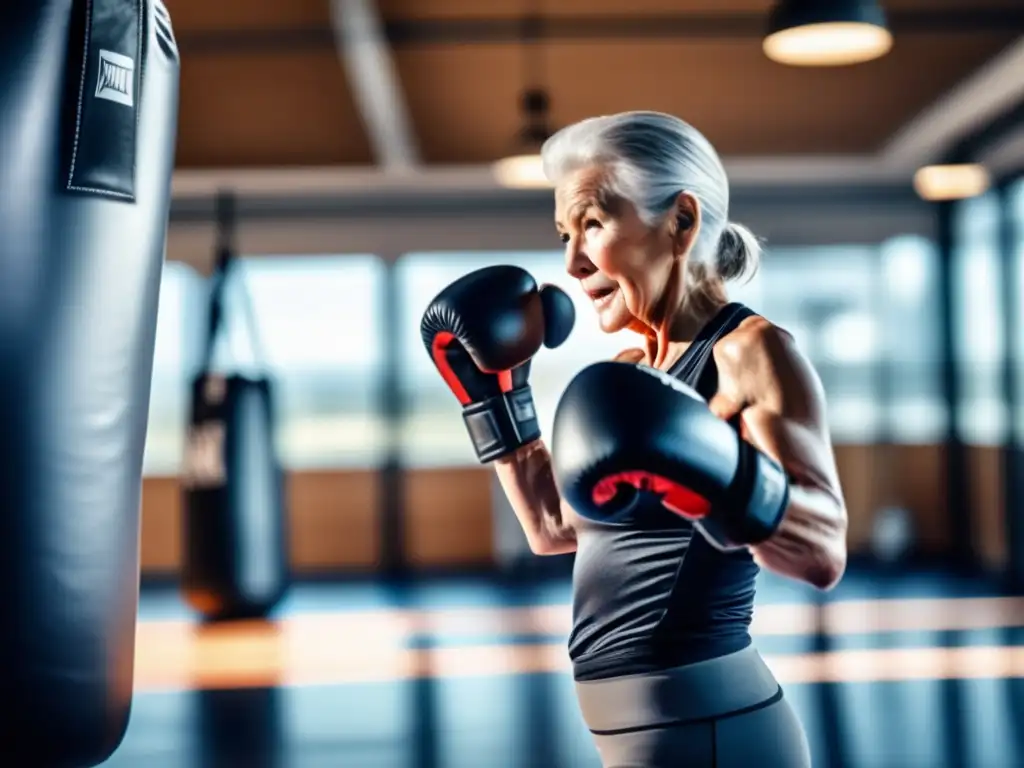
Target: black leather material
[
  {"x": 79, "y": 287},
  {"x": 481, "y": 333},
  {"x": 754, "y": 503},
  {"x": 105, "y": 66},
  {"x": 499, "y": 425},
  {"x": 235, "y": 553}
]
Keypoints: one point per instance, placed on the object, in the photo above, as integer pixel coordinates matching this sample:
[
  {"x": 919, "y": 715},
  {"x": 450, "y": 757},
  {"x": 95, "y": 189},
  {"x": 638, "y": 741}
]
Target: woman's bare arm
[
  {"x": 767, "y": 381},
  {"x": 529, "y": 484}
]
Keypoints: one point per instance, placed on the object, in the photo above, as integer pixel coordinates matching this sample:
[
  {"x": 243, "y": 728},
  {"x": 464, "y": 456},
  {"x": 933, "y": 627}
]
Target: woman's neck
[{"x": 668, "y": 341}]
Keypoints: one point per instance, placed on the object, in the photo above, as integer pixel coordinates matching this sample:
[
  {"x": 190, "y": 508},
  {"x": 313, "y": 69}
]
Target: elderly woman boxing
[{"x": 676, "y": 471}]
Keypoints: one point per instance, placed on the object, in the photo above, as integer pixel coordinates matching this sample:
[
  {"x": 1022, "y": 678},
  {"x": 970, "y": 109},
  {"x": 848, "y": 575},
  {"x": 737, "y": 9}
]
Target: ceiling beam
[
  {"x": 1006, "y": 156},
  {"x": 329, "y": 181},
  {"x": 989, "y": 92},
  {"x": 367, "y": 60}
]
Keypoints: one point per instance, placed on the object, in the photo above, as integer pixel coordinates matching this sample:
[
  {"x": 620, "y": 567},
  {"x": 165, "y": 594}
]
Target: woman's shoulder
[
  {"x": 756, "y": 354},
  {"x": 752, "y": 338}
]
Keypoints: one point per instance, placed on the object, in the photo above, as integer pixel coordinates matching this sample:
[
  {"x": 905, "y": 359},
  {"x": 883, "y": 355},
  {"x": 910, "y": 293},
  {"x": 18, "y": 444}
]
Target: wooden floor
[{"x": 897, "y": 670}]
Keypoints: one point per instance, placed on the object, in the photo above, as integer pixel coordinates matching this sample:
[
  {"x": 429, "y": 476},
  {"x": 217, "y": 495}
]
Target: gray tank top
[{"x": 650, "y": 593}]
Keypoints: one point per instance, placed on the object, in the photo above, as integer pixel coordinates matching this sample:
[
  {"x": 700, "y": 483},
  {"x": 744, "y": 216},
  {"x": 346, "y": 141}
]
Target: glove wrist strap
[
  {"x": 753, "y": 505},
  {"x": 502, "y": 424}
]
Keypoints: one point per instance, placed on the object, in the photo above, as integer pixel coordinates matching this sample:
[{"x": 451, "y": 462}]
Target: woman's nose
[{"x": 577, "y": 264}]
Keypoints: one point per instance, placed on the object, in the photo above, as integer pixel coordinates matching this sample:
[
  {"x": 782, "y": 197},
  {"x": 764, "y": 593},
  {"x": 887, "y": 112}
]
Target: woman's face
[{"x": 625, "y": 267}]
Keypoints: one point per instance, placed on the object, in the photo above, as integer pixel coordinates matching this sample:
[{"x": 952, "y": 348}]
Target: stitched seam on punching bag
[
  {"x": 81, "y": 91},
  {"x": 81, "y": 100},
  {"x": 143, "y": 54}
]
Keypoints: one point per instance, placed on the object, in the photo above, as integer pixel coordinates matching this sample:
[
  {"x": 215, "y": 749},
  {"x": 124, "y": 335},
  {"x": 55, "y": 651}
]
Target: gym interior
[{"x": 338, "y": 162}]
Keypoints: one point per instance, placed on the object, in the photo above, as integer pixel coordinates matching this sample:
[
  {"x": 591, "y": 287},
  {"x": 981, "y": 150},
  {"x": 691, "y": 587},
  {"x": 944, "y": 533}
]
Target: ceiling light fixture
[
  {"x": 826, "y": 33},
  {"x": 521, "y": 172},
  {"x": 937, "y": 183},
  {"x": 524, "y": 168}
]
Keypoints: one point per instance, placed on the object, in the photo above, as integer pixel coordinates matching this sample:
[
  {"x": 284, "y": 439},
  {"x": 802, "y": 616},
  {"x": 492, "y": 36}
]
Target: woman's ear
[{"x": 687, "y": 223}]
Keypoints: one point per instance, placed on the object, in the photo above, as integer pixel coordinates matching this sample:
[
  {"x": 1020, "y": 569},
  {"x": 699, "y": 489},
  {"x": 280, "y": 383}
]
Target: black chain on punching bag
[{"x": 235, "y": 559}]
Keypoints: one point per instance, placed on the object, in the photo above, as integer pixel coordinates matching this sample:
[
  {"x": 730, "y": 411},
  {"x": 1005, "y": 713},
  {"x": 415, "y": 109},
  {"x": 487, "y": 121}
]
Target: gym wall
[{"x": 334, "y": 516}]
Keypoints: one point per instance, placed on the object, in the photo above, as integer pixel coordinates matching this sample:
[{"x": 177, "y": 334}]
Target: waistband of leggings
[{"x": 705, "y": 690}]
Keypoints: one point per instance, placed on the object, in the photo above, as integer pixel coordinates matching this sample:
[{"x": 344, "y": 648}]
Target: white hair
[{"x": 651, "y": 157}]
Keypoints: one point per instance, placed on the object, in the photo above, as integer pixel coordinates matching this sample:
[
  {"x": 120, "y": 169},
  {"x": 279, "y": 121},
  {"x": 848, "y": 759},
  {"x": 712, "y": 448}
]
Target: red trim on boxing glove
[
  {"x": 438, "y": 347},
  {"x": 437, "y": 351},
  {"x": 677, "y": 498}
]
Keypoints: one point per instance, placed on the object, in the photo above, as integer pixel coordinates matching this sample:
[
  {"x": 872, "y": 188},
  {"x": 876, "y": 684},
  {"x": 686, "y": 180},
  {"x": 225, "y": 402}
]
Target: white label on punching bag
[
  {"x": 115, "y": 79},
  {"x": 204, "y": 457}
]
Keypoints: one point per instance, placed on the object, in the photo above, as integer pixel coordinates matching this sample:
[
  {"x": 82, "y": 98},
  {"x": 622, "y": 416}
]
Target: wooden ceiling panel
[
  {"x": 507, "y": 9},
  {"x": 464, "y": 100},
  {"x": 511, "y": 9},
  {"x": 268, "y": 110},
  {"x": 263, "y": 85},
  {"x": 206, "y": 15}
]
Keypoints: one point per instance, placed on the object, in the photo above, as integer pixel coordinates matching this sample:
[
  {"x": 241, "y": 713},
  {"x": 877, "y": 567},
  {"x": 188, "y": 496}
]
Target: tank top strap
[{"x": 690, "y": 367}]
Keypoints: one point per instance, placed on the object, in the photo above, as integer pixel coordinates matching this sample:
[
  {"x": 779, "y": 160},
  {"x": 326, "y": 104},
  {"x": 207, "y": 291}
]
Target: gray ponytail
[{"x": 739, "y": 253}]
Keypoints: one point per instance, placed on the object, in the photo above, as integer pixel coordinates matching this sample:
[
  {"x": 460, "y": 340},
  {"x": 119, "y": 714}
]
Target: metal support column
[
  {"x": 392, "y": 530},
  {"x": 1013, "y": 452},
  {"x": 958, "y": 508}
]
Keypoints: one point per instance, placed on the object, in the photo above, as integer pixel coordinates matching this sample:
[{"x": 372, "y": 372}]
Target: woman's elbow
[
  {"x": 545, "y": 546},
  {"x": 827, "y": 572},
  {"x": 828, "y": 566},
  {"x": 542, "y": 549}
]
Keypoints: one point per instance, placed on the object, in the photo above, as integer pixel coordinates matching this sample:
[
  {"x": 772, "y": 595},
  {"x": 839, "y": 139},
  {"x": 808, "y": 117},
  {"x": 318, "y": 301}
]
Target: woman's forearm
[
  {"x": 810, "y": 543},
  {"x": 529, "y": 484}
]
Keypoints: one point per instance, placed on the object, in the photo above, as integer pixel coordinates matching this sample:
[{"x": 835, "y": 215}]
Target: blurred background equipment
[
  {"x": 893, "y": 534},
  {"x": 362, "y": 144},
  {"x": 235, "y": 563},
  {"x": 86, "y": 154}
]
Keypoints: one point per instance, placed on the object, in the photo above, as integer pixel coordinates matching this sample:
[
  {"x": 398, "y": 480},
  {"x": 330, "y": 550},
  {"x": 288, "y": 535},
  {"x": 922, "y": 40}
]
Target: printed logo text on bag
[{"x": 115, "y": 80}]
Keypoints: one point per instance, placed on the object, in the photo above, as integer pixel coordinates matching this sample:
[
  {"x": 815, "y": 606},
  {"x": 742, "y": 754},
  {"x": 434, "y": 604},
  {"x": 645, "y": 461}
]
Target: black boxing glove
[
  {"x": 481, "y": 332},
  {"x": 621, "y": 427}
]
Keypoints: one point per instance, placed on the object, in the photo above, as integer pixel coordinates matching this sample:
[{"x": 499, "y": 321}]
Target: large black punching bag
[
  {"x": 235, "y": 546},
  {"x": 88, "y": 114}
]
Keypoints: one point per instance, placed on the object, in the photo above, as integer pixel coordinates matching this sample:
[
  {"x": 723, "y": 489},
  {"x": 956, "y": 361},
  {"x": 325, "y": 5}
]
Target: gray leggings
[{"x": 723, "y": 713}]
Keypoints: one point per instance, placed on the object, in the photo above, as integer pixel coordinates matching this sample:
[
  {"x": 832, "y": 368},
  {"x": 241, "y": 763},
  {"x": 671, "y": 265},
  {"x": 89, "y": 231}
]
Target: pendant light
[
  {"x": 826, "y": 33},
  {"x": 951, "y": 182},
  {"x": 522, "y": 168}
]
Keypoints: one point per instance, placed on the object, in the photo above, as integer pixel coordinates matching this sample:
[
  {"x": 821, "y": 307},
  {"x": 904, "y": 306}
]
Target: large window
[
  {"x": 978, "y": 326},
  {"x": 317, "y": 322},
  {"x": 433, "y": 432},
  {"x": 826, "y": 297},
  {"x": 910, "y": 323},
  {"x": 1016, "y": 211}
]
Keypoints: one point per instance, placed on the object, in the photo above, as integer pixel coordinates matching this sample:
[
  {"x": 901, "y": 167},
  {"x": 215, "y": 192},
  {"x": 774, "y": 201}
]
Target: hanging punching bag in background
[
  {"x": 235, "y": 559},
  {"x": 88, "y": 113}
]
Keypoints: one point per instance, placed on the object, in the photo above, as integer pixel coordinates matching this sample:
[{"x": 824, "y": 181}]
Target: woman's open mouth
[{"x": 602, "y": 297}]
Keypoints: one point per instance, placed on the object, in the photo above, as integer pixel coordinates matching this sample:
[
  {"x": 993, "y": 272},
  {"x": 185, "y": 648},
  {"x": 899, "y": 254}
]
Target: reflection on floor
[{"x": 889, "y": 671}]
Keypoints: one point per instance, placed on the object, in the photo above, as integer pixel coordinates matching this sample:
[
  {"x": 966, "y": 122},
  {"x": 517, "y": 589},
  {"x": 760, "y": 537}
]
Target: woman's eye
[{"x": 592, "y": 224}]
